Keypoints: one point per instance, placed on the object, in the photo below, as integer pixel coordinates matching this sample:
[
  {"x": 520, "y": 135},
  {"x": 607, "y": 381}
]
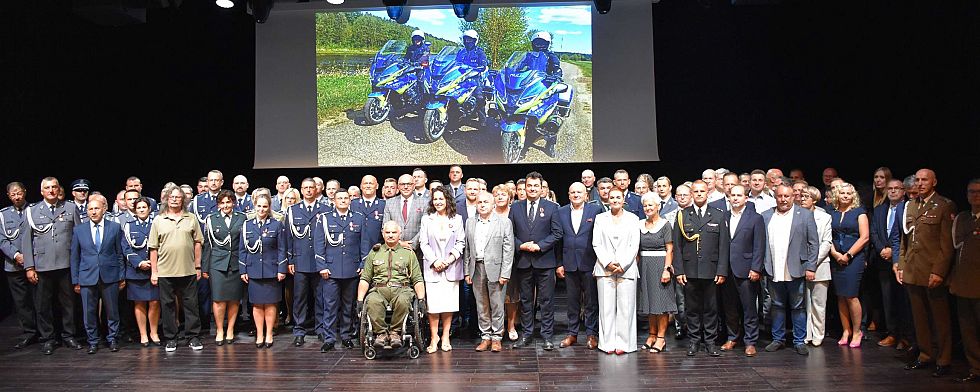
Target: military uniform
[
  {"x": 393, "y": 274},
  {"x": 701, "y": 245},
  {"x": 21, "y": 290},
  {"x": 340, "y": 248},
  {"x": 927, "y": 248},
  {"x": 963, "y": 283},
  {"x": 46, "y": 234}
]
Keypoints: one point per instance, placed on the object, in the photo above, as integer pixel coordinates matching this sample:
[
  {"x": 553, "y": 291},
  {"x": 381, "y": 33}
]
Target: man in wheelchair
[{"x": 389, "y": 276}]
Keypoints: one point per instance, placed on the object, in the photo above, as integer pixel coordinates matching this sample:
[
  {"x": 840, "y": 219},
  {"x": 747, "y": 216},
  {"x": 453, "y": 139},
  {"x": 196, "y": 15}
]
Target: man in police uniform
[
  {"x": 300, "y": 221},
  {"x": 243, "y": 200},
  {"x": 134, "y": 183},
  {"x": 203, "y": 205},
  {"x": 372, "y": 207},
  {"x": 473, "y": 56},
  {"x": 390, "y": 273},
  {"x": 923, "y": 266},
  {"x": 282, "y": 184},
  {"x": 340, "y": 249},
  {"x": 21, "y": 290},
  {"x": 79, "y": 193},
  {"x": 46, "y": 245}
]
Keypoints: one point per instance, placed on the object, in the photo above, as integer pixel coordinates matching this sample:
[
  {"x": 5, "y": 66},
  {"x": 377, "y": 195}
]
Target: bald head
[
  {"x": 925, "y": 182},
  {"x": 588, "y": 177},
  {"x": 406, "y": 184}
]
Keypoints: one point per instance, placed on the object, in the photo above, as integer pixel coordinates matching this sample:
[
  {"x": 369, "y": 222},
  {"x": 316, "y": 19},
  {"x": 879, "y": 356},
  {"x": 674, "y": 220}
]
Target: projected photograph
[{"x": 513, "y": 86}]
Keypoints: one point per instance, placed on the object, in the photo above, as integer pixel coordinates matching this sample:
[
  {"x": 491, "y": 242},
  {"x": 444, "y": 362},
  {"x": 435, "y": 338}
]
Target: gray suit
[
  {"x": 410, "y": 227},
  {"x": 804, "y": 243},
  {"x": 496, "y": 263},
  {"x": 801, "y": 256},
  {"x": 45, "y": 241}
]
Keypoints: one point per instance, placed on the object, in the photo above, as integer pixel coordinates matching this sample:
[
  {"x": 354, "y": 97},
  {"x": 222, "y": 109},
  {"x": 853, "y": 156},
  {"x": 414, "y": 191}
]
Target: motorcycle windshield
[
  {"x": 443, "y": 61},
  {"x": 524, "y": 69},
  {"x": 391, "y": 53}
]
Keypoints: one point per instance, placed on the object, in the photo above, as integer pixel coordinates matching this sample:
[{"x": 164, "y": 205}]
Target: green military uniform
[{"x": 392, "y": 273}]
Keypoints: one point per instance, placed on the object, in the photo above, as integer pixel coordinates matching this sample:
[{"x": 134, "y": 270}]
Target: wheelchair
[{"x": 413, "y": 338}]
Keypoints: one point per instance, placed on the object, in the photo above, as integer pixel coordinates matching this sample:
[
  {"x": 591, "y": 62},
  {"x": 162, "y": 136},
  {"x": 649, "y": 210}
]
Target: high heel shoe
[
  {"x": 662, "y": 349},
  {"x": 512, "y": 334},
  {"x": 651, "y": 340},
  {"x": 446, "y": 346},
  {"x": 259, "y": 344},
  {"x": 844, "y": 339},
  {"x": 856, "y": 340},
  {"x": 433, "y": 347},
  {"x": 145, "y": 343}
]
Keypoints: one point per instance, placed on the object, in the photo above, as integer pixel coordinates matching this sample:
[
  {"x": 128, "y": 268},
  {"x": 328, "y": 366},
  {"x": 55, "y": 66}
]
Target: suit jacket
[
  {"x": 339, "y": 243},
  {"x": 373, "y": 217},
  {"x": 90, "y": 264},
  {"x": 722, "y": 204},
  {"x": 632, "y": 204},
  {"x": 927, "y": 246},
  {"x": 45, "y": 238},
  {"x": 460, "y": 195},
  {"x": 410, "y": 227},
  {"x": 270, "y": 259},
  {"x": 710, "y": 258},
  {"x": 498, "y": 255},
  {"x": 826, "y": 237},
  {"x": 10, "y": 231},
  {"x": 203, "y": 205},
  {"x": 616, "y": 244},
  {"x": 577, "y": 251},
  {"x": 879, "y": 232},
  {"x": 670, "y": 205},
  {"x": 462, "y": 211},
  {"x": 748, "y": 247},
  {"x": 217, "y": 256},
  {"x": 966, "y": 270},
  {"x": 804, "y": 243},
  {"x": 136, "y": 236},
  {"x": 452, "y": 251},
  {"x": 538, "y": 231},
  {"x": 245, "y": 205},
  {"x": 300, "y": 223}
]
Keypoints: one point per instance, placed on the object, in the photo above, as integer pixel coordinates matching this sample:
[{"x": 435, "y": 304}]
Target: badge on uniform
[
  {"x": 352, "y": 226},
  {"x": 265, "y": 232},
  {"x": 377, "y": 262},
  {"x": 541, "y": 211}
]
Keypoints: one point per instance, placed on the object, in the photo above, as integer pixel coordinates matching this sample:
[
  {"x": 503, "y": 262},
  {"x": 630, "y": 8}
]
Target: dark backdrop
[{"x": 809, "y": 84}]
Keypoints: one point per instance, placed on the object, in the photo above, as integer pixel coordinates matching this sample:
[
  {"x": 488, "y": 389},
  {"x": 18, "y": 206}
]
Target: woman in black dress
[
  {"x": 655, "y": 291},
  {"x": 263, "y": 258}
]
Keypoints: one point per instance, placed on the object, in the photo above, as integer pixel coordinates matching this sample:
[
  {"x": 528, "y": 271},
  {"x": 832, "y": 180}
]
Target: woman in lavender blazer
[{"x": 442, "y": 239}]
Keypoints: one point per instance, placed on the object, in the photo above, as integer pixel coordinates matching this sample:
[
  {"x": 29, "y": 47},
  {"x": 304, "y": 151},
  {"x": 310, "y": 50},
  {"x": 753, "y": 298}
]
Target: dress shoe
[
  {"x": 113, "y": 346},
  {"x": 219, "y": 342},
  {"x": 591, "y": 342},
  {"x": 903, "y": 345},
  {"x": 801, "y": 349},
  {"x": 750, "y": 351},
  {"x": 693, "y": 350},
  {"x": 299, "y": 341},
  {"x": 395, "y": 340},
  {"x": 496, "y": 346},
  {"x": 47, "y": 348},
  {"x": 816, "y": 343},
  {"x": 269, "y": 344},
  {"x": 327, "y": 346},
  {"x": 712, "y": 350},
  {"x": 548, "y": 345},
  {"x": 251, "y": 333},
  {"x": 348, "y": 343},
  {"x": 680, "y": 334},
  {"x": 941, "y": 370},
  {"x": 72, "y": 344},
  {"x": 92, "y": 349},
  {"x": 483, "y": 346},
  {"x": 968, "y": 378},
  {"x": 917, "y": 364},
  {"x": 568, "y": 341},
  {"x": 157, "y": 343},
  {"x": 619, "y": 352},
  {"x": 888, "y": 341},
  {"x": 522, "y": 343},
  {"x": 728, "y": 346},
  {"x": 26, "y": 342},
  {"x": 775, "y": 346}
]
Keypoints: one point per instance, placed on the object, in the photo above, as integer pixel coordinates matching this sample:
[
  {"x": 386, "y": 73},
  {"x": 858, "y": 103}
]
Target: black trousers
[
  {"x": 732, "y": 307},
  {"x": 22, "y": 292},
  {"x": 184, "y": 287},
  {"x": 542, "y": 282},
  {"x": 701, "y": 301},
  {"x": 582, "y": 285},
  {"x": 51, "y": 285}
]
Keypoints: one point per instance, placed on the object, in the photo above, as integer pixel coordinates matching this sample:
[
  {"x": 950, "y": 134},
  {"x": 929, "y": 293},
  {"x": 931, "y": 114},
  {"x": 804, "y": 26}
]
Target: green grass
[
  {"x": 348, "y": 51},
  {"x": 336, "y": 94},
  {"x": 585, "y": 66}
]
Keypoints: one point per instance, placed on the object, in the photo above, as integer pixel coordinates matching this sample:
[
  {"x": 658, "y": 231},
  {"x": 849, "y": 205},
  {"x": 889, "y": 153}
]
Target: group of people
[{"x": 726, "y": 257}]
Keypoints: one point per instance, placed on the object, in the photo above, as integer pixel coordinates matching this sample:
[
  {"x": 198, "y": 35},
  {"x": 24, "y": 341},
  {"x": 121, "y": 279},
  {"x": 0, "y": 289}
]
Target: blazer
[
  {"x": 462, "y": 211},
  {"x": 966, "y": 270},
  {"x": 616, "y": 244},
  {"x": 460, "y": 195},
  {"x": 410, "y": 227},
  {"x": 220, "y": 251},
  {"x": 45, "y": 237},
  {"x": 245, "y": 205},
  {"x": 136, "y": 235},
  {"x": 89, "y": 264},
  {"x": 10, "y": 231},
  {"x": 826, "y": 237},
  {"x": 722, "y": 204},
  {"x": 299, "y": 227},
  {"x": 670, "y": 205},
  {"x": 804, "y": 243},
  {"x": 927, "y": 246},
  {"x": 373, "y": 217},
  {"x": 707, "y": 256},
  {"x": 433, "y": 251},
  {"x": 262, "y": 252},
  {"x": 577, "y": 251},
  {"x": 498, "y": 255},
  {"x": 203, "y": 205},
  {"x": 339, "y": 244},
  {"x": 747, "y": 251},
  {"x": 879, "y": 231},
  {"x": 632, "y": 204},
  {"x": 538, "y": 231}
]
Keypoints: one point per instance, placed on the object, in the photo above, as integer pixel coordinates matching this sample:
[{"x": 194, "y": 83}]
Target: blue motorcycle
[
  {"x": 451, "y": 86},
  {"x": 522, "y": 98},
  {"x": 393, "y": 84}
]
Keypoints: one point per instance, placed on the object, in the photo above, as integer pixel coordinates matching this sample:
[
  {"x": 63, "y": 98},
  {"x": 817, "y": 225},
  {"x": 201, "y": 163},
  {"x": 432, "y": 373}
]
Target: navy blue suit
[
  {"x": 633, "y": 204},
  {"x": 340, "y": 248},
  {"x": 98, "y": 270},
  {"x": 722, "y": 204},
  {"x": 245, "y": 204},
  {"x": 535, "y": 270},
  {"x": 466, "y": 317},
  {"x": 894, "y": 298},
  {"x": 300, "y": 223},
  {"x": 373, "y": 217},
  {"x": 746, "y": 253},
  {"x": 578, "y": 258}
]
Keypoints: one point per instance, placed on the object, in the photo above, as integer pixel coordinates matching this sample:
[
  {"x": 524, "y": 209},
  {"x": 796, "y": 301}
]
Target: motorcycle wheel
[
  {"x": 375, "y": 112},
  {"x": 511, "y": 143},
  {"x": 432, "y": 126}
]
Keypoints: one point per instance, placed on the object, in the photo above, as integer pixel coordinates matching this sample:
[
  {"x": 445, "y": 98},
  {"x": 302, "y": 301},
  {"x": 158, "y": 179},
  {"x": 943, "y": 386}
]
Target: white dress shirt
[
  {"x": 779, "y": 231},
  {"x": 577, "y": 218},
  {"x": 98, "y": 231},
  {"x": 762, "y": 202},
  {"x": 736, "y": 217},
  {"x": 482, "y": 237}
]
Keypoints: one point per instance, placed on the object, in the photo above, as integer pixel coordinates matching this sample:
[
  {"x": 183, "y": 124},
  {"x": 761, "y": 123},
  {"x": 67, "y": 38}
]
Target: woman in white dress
[
  {"x": 616, "y": 241},
  {"x": 442, "y": 239}
]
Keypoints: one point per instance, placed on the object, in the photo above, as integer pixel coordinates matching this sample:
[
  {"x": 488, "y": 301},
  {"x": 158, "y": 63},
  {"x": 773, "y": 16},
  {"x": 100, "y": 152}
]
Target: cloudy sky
[{"x": 570, "y": 26}]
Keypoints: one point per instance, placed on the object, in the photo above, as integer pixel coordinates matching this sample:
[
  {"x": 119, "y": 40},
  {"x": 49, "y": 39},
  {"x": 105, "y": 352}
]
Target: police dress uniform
[
  {"x": 220, "y": 255},
  {"x": 136, "y": 233},
  {"x": 374, "y": 212},
  {"x": 392, "y": 273},
  {"x": 262, "y": 257},
  {"x": 21, "y": 290},
  {"x": 340, "y": 248},
  {"x": 300, "y": 220},
  {"x": 201, "y": 206}
]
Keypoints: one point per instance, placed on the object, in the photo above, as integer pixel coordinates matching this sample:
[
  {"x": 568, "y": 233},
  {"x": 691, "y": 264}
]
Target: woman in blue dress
[
  {"x": 145, "y": 296},
  {"x": 849, "y": 226},
  {"x": 263, "y": 267}
]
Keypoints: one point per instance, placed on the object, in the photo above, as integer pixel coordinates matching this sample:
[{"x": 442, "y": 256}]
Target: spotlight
[
  {"x": 336, "y": 2},
  {"x": 602, "y": 6},
  {"x": 260, "y": 9},
  {"x": 224, "y": 3},
  {"x": 464, "y": 9}
]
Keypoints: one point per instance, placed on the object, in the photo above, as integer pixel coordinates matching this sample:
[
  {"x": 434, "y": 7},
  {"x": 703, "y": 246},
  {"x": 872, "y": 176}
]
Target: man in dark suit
[
  {"x": 456, "y": 186},
  {"x": 886, "y": 230},
  {"x": 728, "y": 293},
  {"x": 572, "y": 225},
  {"x": 466, "y": 318},
  {"x": 631, "y": 201},
  {"x": 97, "y": 265},
  {"x": 700, "y": 251},
  {"x": 536, "y": 261},
  {"x": 746, "y": 254}
]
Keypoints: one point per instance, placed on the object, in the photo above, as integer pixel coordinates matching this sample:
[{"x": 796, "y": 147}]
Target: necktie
[
  {"x": 404, "y": 210},
  {"x": 309, "y": 208},
  {"x": 98, "y": 237},
  {"x": 530, "y": 212},
  {"x": 890, "y": 220},
  {"x": 52, "y": 210},
  {"x": 662, "y": 204}
]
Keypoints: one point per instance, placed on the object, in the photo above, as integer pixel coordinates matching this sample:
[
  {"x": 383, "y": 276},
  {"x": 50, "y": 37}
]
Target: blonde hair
[{"x": 855, "y": 201}]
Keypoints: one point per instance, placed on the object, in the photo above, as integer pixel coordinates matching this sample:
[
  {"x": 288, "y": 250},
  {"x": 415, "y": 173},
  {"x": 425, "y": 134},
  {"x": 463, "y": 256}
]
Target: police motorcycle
[
  {"x": 393, "y": 83},
  {"x": 523, "y": 99},
  {"x": 452, "y": 86}
]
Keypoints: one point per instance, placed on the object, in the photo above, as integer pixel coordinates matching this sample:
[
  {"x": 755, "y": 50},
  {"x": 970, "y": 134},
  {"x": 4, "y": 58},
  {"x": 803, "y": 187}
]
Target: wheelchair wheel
[
  {"x": 370, "y": 353},
  {"x": 364, "y": 333},
  {"x": 414, "y": 352},
  {"x": 421, "y": 324}
]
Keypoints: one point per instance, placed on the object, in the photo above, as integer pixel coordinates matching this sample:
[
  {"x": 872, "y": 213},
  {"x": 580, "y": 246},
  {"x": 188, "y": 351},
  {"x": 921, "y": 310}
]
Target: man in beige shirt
[{"x": 175, "y": 258}]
